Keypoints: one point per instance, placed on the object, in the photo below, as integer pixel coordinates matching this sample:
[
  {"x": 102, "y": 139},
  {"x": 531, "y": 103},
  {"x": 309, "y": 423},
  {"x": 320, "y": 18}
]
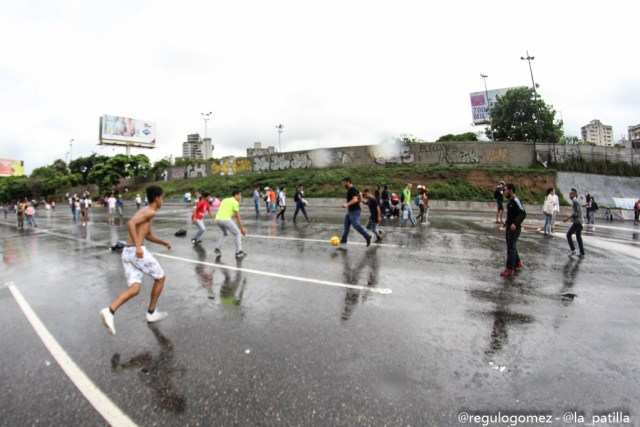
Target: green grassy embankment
[{"x": 444, "y": 183}]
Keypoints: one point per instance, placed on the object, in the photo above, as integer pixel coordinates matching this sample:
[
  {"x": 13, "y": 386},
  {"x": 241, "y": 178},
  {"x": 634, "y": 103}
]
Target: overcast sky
[{"x": 335, "y": 73}]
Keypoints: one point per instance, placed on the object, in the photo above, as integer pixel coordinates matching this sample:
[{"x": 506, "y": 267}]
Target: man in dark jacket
[{"x": 515, "y": 215}]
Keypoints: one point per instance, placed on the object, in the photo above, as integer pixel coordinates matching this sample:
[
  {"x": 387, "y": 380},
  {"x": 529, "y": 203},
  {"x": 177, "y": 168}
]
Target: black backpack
[
  {"x": 594, "y": 205},
  {"x": 181, "y": 233}
]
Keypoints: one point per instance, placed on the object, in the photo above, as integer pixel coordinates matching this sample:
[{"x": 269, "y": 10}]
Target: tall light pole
[
  {"x": 206, "y": 117},
  {"x": 70, "y": 146},
  {"x": 535, "y": 93},
  {"x": 280, "y": 127},
  {"x": 486, "y": 93}
]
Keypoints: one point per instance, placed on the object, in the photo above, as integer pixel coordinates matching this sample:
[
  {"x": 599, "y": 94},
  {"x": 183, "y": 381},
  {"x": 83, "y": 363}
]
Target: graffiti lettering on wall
[
  {"x": 281, "y": 162},
  {"x": 190, "y": 171},
  {"x": 230, "y": 166},
  {"x": 406, "y": 157},
  {"x": 453, "y": 156},
  {"x": 567, "y": 154},
  {"x": 496, "y": 155}
]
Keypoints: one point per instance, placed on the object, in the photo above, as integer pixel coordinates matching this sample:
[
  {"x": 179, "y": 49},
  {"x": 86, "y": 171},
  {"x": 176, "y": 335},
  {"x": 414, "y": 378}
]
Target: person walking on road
[
  {"x": 376, "y": 215},
  {"x": 515, "y": 215},
  {"x": 576, "y": 227},
  {"x": 230, "y": 208},
  {"x": 299, "y": 199},
  {"x": 352, "y": 218},
  {"x": 198, "y": 217},
  {"x": 282, "y": 203},
  {"x": 138, "y": 261},
  {"x": 406, "y": 210}
]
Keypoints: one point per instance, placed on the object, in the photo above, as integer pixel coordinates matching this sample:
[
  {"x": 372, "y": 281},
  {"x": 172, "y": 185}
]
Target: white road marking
[
  {"x": 279, "y": 276},
  {"x": 105, "y": 407}
]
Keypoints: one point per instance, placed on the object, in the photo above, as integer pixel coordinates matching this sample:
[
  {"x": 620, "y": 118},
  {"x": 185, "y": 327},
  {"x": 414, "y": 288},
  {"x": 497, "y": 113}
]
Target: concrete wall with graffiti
[{"x": 521, "y": 154}]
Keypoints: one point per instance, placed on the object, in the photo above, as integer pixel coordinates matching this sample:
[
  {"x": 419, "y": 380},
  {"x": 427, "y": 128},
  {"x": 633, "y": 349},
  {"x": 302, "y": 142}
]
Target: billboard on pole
[
  {"x": 121, "y": 130},
  {"x": 480, "y": 104},
  {"x": 10, "y": 167}
]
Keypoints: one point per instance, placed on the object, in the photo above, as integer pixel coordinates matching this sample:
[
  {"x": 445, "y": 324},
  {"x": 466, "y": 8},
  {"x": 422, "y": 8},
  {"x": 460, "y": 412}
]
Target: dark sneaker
[
  {"x": 217, "y": 251},
  {"x": 369, "y": 240},
  {"x": 582, "y": 255},
  {"x": 378, "y": 240},
  {"x": 520, "y": 264},
  {"x": 241, "y": 255}
]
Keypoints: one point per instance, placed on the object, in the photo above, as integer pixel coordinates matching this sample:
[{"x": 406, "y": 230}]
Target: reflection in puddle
[{"x": 156, "y": 372}]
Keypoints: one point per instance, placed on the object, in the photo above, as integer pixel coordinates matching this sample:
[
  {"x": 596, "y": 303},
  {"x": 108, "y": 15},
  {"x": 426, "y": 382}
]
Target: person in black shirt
[
  {"x": 386, "y": 205},
  {"x": 374, "y": 209},
  {"x": 515, "y": 215},
  {"x": 498, "y": 195},
  {"x": 352, "y": 218},
  {"x": 299, "y": 199}
]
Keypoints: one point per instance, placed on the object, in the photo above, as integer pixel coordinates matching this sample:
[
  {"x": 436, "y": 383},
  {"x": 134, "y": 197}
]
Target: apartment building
[
  {"x": 597, "y": 133},
  {"x": 196, "y": 148}
]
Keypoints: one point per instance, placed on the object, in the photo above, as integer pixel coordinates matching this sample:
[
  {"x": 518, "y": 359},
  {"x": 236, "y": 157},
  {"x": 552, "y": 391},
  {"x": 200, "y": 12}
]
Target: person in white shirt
[
  {"x": 282, "y": 196},
  {"x": 556, "y": 210},
  {"x": 111, "y": 201},
  {"x": 138, "y": 201}
]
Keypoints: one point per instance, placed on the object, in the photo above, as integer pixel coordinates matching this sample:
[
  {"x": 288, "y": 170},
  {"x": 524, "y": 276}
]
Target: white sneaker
[
  {"x": 572, "y": 253},
  {"x": 156, "y": 316},
  {"x": 107, "y": 320}
]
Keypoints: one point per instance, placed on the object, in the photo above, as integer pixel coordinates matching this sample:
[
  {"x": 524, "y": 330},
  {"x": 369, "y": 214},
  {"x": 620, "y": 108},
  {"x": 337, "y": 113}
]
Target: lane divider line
[
  {"x": 102, "y": 404},
  {"x": 279, "y": 276}
]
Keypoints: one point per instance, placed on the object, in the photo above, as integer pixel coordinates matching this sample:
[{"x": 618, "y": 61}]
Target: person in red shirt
[{"x": 198, "y": 216}]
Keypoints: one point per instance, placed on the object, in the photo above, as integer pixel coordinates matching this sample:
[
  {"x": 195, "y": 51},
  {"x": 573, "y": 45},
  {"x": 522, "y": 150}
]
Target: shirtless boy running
[{"x": 137, "y": 261}]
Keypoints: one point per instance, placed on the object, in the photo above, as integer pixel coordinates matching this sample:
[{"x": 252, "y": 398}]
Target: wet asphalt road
[{"x": 276, "y": 340}]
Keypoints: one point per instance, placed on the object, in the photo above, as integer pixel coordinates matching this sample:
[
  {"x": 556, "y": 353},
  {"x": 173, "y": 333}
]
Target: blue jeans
[
  {"x": 257, "y": 203},
  {"x": 200, "y": 224},
  {"x": 373, "y": 226},
  {"x": 352, "y": 218},
  {"x": 548, "y": 219},
  {"x": 409, "y": 211}
]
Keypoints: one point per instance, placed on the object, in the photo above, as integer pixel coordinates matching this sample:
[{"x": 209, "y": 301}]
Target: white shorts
[
  {"x": 135, "y": 268},
  {"x": 112, "y": 211}
]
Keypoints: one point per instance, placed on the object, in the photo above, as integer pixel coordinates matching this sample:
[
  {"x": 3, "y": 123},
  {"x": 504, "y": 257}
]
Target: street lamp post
[
  {"x": 280, "y": 127},
  {"x": 535, "y": 93},
  {"x": 486, "y": 93},
  {"x": 70, "y": 146},
  {"x": 206, "y": 117}
]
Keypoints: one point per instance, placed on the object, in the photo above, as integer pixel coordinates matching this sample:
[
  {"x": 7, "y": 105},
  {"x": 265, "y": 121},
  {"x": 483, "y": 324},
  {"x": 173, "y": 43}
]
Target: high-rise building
[
  {"x": 196, "y": 148},
  {"x": 634, "y": 136},
  {"x": 597, "y": 133},
  {"x": 257, "y": 150}
]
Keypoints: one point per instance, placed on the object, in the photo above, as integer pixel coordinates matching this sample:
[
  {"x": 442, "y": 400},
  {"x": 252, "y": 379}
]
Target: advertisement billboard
[
  {"x": 121, "y": 130},
  {"x": 480, "y": 104},
  {"x": 10, "y": 167}
]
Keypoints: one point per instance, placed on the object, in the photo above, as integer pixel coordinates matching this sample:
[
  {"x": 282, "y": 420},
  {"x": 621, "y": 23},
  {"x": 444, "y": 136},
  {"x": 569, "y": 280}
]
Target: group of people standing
[
  {"x": 516, "y": 215},
  {"x": 277, "y": 199}
]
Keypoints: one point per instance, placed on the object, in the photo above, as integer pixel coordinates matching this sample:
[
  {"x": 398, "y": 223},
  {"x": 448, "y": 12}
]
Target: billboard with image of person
[
  {"x": 9, "y": 167},
  {"x": 121, "y": 130}
]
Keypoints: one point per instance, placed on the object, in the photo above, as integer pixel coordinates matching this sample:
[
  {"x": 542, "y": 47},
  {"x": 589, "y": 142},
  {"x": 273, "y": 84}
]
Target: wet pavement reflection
[
  {"x": 300, "y": 333},
  {"x": 158, "y": 372}
]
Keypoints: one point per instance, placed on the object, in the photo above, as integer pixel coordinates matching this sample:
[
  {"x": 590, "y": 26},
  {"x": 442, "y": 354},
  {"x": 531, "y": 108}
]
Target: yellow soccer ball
[{"x": 335, "y": 240}]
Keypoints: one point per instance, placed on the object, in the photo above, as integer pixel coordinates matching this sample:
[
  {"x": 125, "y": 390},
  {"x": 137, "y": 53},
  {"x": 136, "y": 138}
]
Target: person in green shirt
[
  {"x": 406, "y": 206},
  {"x": 229, "y": 208}
]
